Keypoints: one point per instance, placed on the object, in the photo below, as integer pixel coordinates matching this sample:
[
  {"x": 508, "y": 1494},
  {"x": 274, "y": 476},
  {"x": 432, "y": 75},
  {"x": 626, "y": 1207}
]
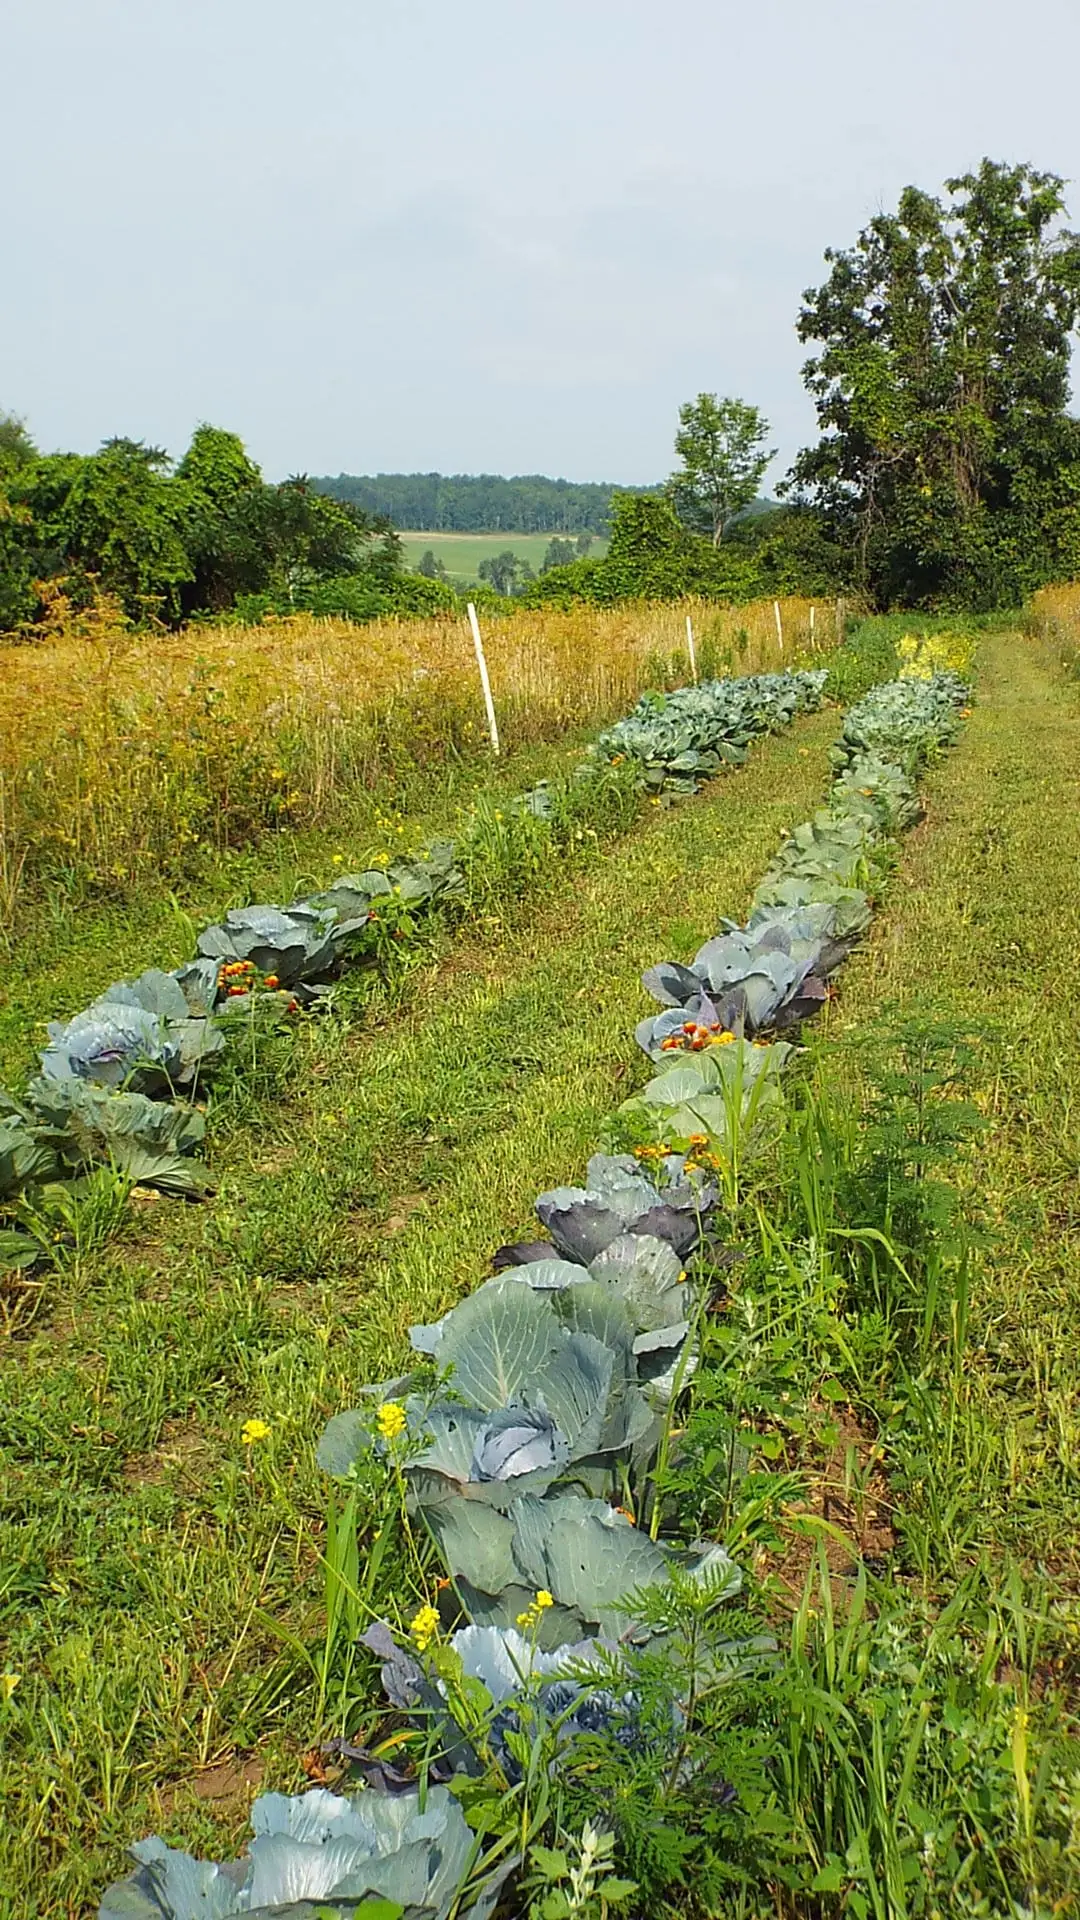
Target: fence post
[
  {"x": 484, "y": 681},
  {"x": 690, "y": 648},
  {"x": 779, "y": 624},
  {"x": 813, "y": 643}
]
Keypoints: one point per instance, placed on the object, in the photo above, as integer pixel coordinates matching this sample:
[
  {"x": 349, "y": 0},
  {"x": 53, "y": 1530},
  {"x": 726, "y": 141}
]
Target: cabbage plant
[
  {"x": 414, "y": 879},
  {"x": 26, "y": 1159},
  {"x": 903, "y": 721},
  {"x": 769, "y": 973},
  {"x": 617, "y": 1199},
  {"x": 727, "y": 1095},
  {"x": 679, "y": 739},
  {"x": 317, "y": 1854},
  {"x": 293, "y": 945},
  {"x": 151, "y": 1142},
  {"x": 140, "y": 1035},
  {"x": 582, "y": 1551}
]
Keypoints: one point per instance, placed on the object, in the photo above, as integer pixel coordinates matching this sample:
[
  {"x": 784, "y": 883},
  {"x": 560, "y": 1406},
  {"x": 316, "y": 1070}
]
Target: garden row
[
  {"x": 530, "y": 1444},
  {"x": 123, "y": 1082}
]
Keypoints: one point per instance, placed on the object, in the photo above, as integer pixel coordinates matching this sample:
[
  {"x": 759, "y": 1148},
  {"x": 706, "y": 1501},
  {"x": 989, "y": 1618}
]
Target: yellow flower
[
  {"x": 531, "y": 1617},
  {"x": 390, "y": 1419},
  {"x": 425, "y": 1627},
  {"x": 253, "y": 1431},
  {"x": 8, "y": 1684},
  {"x": 338, "y": 859}
]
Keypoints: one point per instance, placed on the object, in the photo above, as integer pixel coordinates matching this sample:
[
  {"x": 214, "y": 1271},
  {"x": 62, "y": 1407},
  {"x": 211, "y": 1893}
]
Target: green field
[{"x": 461, "y": 553}]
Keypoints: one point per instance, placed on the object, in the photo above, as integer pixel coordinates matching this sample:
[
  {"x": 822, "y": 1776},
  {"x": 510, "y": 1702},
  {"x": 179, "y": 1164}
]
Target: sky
[{"x": 471, "y": 235}]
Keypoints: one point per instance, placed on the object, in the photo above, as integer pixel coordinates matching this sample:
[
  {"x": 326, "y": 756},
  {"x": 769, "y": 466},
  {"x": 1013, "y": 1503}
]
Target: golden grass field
[
  {"x": 1054, "y": 615},
  {"x": 122, "y": 752}
]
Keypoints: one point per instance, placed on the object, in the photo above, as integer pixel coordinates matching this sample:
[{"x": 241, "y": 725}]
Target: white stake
[
  {"x": 779, "y": 624},
  {"x": 484, "y": 681},
  {"x": 690, "y": 648},
  {"x": 813, "y": 643}
]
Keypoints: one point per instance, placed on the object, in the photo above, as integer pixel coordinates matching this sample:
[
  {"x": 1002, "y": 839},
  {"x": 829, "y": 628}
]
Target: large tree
[
  {"x": 721, "y": 446},
  {"x": 949, "y": 465}
]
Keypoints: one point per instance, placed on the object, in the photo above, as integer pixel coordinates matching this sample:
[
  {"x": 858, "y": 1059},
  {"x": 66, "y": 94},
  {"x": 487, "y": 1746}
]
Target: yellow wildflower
[
  {"x": 390, "y": 1419},
  {"x": 425, "y": 1627},
  {"x": 253, "y": 1431},
  {"x": 531, "y": 1617},
  {"x": 8, "y": 1684}
]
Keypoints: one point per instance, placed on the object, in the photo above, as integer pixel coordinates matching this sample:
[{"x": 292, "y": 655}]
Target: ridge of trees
[{"x": 479, "y": 502}]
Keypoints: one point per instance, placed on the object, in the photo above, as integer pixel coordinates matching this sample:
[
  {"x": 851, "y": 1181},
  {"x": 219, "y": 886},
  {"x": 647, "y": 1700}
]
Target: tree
[
  {"x": 503, "y": 571},
  {"x": 720, "y": 445},
  {"x": 560, "y": 553},
  {"x": 431, "y": 567},
  {"x": 116, "y": 514},
  {"x": 16, "y": 447},
  {"x": 949, "y": 465},
  {"x": 223, "y": 489}
]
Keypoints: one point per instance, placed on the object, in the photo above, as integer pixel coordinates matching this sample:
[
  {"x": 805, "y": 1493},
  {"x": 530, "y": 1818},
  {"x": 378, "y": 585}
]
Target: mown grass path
[
  {"x": 365, "y": 1178},
  {"x": 983, "y": 924}
]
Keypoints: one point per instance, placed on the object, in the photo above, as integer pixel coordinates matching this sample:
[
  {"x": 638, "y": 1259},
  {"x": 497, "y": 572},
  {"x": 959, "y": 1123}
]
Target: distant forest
[{"x": 479, "y": 503}]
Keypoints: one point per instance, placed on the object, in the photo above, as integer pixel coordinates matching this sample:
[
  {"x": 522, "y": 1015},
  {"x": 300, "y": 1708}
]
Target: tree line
[
  {"x": 946, "y": 472},
  {"x": 478, "y": 503}
]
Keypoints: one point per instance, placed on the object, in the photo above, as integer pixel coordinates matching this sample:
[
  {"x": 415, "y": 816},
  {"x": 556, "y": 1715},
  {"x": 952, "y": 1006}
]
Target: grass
[
  {"x": 983, "y": 928},
  {"x": 461, "y": 553},
  {"x": 127, "y": 759},
  {"x": 368, "y": 1165},
  {"x": 366, "y": 1171},
  {"x": 1054, "y": 617}
]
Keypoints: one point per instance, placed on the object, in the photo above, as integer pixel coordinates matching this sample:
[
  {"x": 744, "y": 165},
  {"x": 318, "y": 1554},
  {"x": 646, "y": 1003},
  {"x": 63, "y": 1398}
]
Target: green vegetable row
[
  {"x": 527, "y": 1438},
  {"x": 118, "y": 1082}
]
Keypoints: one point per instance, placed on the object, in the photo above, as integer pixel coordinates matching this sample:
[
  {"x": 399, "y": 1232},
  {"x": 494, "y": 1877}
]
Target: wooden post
[
  {"x": 484, "y": 681},
  {"x": 813, "y": 643},
  {"x": 690, "y": 648},
  {"x": 840, "y": 622},
  {"x": 779, "y": 624}
]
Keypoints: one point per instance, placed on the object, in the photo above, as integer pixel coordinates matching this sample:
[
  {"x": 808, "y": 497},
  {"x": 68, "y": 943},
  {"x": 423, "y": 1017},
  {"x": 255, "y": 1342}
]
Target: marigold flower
[
  {"x": 424, "y": 1627},
  {"x": 698, "y": 1140},
  {"x": 391, "y": 1420},
  {"x": 235, "y": 991},
  {"x": 271, "y": 980},
  {"x": 253, "y": 1431}
]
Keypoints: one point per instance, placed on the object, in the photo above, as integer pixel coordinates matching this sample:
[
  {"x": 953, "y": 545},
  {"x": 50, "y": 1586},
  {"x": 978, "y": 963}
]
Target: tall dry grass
[
  {"x": 1054, "y": 616},
  {"x": 123, "y": 753}
]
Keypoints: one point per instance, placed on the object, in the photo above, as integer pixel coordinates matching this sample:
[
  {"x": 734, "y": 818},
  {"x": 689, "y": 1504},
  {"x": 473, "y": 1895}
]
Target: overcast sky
[{"x": 470, "y": 235}]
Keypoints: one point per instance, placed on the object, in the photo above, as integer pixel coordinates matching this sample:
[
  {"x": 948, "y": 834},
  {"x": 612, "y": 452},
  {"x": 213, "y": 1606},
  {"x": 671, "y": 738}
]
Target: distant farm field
[{"x": 461, "y": 553}]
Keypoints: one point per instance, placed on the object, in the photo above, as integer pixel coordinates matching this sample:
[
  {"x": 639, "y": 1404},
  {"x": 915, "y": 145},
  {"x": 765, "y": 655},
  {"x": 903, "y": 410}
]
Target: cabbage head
[
  {"x": 140, "y": 1035},
  {"x": 318, "y": 1854}
]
